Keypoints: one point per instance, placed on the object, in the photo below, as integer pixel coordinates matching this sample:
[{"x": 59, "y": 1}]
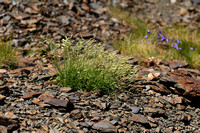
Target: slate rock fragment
[
  {"x": 139, "y": 119},
  {"x": 76, "y": 114},
  {"x": 62, "y": 104},
  {"x": 105, "y": 126},
  {"x": 176, "y": 65},
  {"x": 31, "y": 94}
]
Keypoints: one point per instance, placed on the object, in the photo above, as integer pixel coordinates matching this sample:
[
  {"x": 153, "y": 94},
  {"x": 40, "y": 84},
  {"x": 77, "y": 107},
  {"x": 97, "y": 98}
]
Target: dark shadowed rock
[
  {"x": 4, "y": 90},
  {"x": 8, "y": 123},
  {"x": 2, "y": 98},
  {"x": 44, "y": 77}
]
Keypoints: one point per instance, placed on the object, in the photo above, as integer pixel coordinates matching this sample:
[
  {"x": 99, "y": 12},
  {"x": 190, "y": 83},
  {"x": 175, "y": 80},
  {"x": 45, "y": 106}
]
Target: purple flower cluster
[
  {"x": 175, "y": 46},
  {"x": 148, "y": 32},
  {"x": 161, "y": 37}
]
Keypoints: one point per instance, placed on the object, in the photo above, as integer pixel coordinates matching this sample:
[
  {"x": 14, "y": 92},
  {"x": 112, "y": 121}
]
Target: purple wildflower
[
  {"x": 158, "y": 35},
  {"x": 148, "y": 42},
  {"x": 177, "y": 48},
  {"x": 180, "y": 48},
  {"x": 167, "y": 40},
  {"x": 148, "y": 31},
  {"x": 146, "y": 37},
  {"x": 172, "y": 40},
  {"x": 160, "y": 32},
  {"x": 177, "y": 41},
  {"x": 176, "y": 45},
  {"x": 155, "y": 53},
  {"x": 162, "y": 38},
  {"x": 173, "y": 46},
  {"x": 169, "y": 52},
  {"x": 191, "y": 48}
]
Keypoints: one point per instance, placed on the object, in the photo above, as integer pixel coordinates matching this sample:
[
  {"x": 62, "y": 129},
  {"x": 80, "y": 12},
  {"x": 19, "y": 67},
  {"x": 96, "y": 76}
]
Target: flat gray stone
[
  {"x": 105, "y": 126},
  {"x": 56, "y": 102}
]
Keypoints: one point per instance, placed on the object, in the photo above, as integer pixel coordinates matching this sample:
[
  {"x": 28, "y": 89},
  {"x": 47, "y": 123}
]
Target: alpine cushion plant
[{"x": 87, "y": 66}]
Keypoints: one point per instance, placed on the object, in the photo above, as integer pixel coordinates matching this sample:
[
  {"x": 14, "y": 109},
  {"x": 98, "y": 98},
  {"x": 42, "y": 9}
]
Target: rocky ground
[
  {"x": 163, "y": 12},
  {"x": 163, "y": 98}
]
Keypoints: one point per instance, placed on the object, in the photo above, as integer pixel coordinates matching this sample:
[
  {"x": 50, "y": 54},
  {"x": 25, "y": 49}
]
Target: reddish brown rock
[
  {"x": 176, "y": 100},
  {"x": 31, "y": 94},
  {"x": 10, "y": 115},
  {"x": 27, "y": 61},
  {"x": 160, "y": 88},
  {"x": 59, "y": 103},
  {"x": 180, "y": 107},
  {"x": 186, "y": 85},
  {"x": 38, "y": 87},
  {"x": 26, "y": 70},
  {"x": 158, "y": 105},
  {"x": 154, "y": 110},
  {"x": 45, "y": 96},
  {"x": 50, "y": 82},
  {"x": 3, "y": 70},
  {"x": 139, "y": 119},
  {"x": 65, "y": 89},
  {"x": 76, "y": 114},
  {"x": 36, "y": 101}
]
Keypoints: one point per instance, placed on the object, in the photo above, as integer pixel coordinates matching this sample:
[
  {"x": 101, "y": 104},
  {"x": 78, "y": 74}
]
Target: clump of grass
[
  {"x": 8, "y": 56},
  {"x": 174, "y": 43},
  {"x": 87, "y": 66}
]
